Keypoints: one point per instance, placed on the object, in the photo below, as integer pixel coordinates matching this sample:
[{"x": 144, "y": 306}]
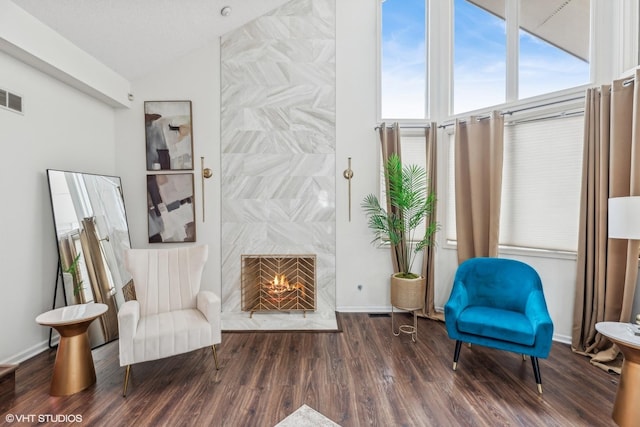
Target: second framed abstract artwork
[
  {"x": 171, "y": 210},
  {"x": 168, "y": 135}
]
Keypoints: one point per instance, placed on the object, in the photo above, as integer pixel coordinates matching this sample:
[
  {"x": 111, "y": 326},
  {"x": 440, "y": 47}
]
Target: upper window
[
  {"x": 479, "y": 60},
  {"x": 403, "y": 76},
  {"x": 554, "y": 47},
  {"x": 496, "y": 60},
  {"x": 501, "y": 51}
]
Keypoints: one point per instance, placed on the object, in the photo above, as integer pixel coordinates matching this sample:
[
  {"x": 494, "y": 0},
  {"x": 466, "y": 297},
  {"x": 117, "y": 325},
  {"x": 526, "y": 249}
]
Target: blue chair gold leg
[
  {"x": 456, "y": 354},
  {"x": 536, "y": 373}
]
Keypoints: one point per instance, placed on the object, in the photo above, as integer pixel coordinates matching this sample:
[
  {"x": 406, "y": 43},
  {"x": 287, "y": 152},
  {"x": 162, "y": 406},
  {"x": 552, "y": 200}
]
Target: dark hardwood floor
[{"x": 360, "y": 376}]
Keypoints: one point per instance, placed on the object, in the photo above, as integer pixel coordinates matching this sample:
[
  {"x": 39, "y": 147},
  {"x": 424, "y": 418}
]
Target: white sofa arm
[
  {"x": 128, "y": 317},
  {"x": 209, "y": 305}
]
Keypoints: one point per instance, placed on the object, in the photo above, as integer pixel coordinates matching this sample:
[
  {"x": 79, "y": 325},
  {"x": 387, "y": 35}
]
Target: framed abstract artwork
[
  {"x": 171, "y": 210},
  {"x": 168, "y": 135}
]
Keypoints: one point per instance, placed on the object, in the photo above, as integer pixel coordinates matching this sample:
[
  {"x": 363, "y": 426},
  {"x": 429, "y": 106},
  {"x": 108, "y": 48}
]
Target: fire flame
[{"x": 280, "y": 284}]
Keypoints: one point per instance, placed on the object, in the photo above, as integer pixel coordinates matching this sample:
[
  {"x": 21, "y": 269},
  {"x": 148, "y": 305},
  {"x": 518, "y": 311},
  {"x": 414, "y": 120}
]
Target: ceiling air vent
[{"x": 10, "y": 101}]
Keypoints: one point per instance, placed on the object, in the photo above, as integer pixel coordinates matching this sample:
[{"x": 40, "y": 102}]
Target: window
[
  {"x": 554, "y": 48},
  {"x": 403, "y": 60},
  {"x": 502, "y": 51},
  {"x": 541, "y": 184},
  {"x": 497, "y": 61},
  {"x": 480, "y": 50}
]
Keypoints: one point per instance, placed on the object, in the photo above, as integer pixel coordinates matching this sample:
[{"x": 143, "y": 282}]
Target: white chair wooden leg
[
  {"x": 126, "y": 381},
  {"x": 215, "y": 356}
]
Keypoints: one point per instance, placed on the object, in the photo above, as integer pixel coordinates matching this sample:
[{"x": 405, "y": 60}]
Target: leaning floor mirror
[{"x": 91, "y": 235}]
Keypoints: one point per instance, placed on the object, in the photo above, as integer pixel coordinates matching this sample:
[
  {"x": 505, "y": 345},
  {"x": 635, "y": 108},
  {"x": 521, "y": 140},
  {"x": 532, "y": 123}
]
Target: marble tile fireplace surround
[{"x": 278, "y": 160}]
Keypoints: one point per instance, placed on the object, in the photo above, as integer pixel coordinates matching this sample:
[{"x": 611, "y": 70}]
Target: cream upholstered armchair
[{"x": 171, "y": 315}]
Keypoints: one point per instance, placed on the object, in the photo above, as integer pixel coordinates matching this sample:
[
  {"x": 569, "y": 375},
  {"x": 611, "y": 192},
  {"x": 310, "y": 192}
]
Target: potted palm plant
[{"x": 411, "y": 204}]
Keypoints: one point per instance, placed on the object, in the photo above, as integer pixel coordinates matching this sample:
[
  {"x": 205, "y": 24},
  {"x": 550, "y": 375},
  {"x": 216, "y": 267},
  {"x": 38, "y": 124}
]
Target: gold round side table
[
  {"x": 626, "y": 411},
  {"x": 73, "y": 370}
]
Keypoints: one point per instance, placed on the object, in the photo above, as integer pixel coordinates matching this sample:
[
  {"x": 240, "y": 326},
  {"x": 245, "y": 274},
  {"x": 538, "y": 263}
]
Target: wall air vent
[{"x": 10, "y": 101}]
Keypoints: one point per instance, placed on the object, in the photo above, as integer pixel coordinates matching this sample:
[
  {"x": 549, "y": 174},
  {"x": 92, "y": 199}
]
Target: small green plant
[
  {"x": 73, "y": 270},
  {"x": 410, "y": 205}
]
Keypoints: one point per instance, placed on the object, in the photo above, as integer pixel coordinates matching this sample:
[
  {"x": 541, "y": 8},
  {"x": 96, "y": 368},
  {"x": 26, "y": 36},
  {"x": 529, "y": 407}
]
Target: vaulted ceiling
[{"x": 134, "y": 37}]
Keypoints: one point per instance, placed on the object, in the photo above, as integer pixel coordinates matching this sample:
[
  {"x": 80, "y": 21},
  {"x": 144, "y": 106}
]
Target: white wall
[
  {"x": 61, "y": 128},
  {"x": 195, "y": 77},
  {"x": 358, "y": 262}
]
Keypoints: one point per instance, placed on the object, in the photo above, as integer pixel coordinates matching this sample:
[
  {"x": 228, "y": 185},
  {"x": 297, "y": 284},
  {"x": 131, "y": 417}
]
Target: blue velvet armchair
[{"x": 499, "y": 303}]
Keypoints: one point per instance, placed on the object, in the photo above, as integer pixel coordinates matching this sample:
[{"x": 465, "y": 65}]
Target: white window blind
[{"x": 541, "y": 184}]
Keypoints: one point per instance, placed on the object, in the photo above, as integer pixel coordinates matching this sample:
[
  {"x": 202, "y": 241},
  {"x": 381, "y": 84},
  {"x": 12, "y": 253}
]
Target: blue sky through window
[
  {"x": 544, "y": 68},
  {"x": 479, "y": 60},
  {"x": 404, "y": 55},
  {"x": 480, "y": 53}
]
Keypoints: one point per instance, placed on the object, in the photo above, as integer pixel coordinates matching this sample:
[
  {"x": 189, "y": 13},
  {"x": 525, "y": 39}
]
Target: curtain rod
[
  {"x": 425, "y": 126},
  {"x": 626, "y": 82},
  {"x": 510, "y": 112},
  {"x": 561, "y": 115},
  {"x": 503, "y": 113}
]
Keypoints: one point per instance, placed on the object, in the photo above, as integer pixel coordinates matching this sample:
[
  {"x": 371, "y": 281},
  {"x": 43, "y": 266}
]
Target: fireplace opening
[{"x": 278, "y": 283}]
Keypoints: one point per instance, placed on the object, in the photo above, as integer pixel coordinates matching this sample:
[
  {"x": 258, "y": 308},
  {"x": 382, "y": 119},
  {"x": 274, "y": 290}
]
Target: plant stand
[
  {"x": 405, "y": 329},
  {"x": 407, "y": 294}
]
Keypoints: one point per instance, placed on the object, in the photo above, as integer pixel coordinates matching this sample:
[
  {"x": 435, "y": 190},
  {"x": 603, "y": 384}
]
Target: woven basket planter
[{"x": 408, "y": 294}]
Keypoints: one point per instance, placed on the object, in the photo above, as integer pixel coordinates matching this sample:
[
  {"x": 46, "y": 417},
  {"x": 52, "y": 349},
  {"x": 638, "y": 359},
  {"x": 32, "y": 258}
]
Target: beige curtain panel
[
  {"x": 100, "y": 278},
  {"x": 390, "y": 142},
  {"x": 479, "y": 147},
  {"x": 606, "y": 268},
  {"x": 428, "y": 261}
]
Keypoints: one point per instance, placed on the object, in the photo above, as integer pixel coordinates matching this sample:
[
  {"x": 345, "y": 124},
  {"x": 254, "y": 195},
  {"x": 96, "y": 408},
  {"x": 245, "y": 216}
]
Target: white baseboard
[
  {"x": 363, "y": 309},
  {"x": 562, "y": 338},
  {"x": 31, "y": 351}
]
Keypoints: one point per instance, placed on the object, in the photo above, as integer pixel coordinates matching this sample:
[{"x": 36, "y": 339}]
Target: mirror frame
[{"x": 91, "y": 248}]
